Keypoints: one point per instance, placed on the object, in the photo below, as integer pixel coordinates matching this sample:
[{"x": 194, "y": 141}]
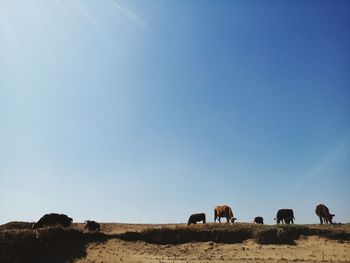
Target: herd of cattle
[{"x": 285, "y": 216}]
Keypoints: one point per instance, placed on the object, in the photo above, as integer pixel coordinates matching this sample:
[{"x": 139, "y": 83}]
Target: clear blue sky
[{"x": 148, "y": 111}]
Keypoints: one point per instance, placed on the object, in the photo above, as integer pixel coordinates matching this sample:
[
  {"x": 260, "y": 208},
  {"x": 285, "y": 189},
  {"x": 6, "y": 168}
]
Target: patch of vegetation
[
  {"x": 20, "y": 244},
  {"x": 45, "y": 245},
  {"x": 262, "y": 234},
  {"x": 16, "y": 225},
  {"x": 274, "y": 235},
  {"x": 182, "y": 235}
]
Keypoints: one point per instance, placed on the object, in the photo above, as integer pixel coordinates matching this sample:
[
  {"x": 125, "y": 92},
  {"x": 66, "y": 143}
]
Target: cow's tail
[{"x": 215, "y": 215}]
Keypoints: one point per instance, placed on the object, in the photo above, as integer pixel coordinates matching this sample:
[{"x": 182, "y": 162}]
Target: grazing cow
[
  {"x": 194, "y": 218},
  {"x": 52, "y": 220},
  {"x": 285, "y": 215},
  {"x": 224, "y": 211},
  {"x": 322, "y": 212},
  {"x": 259, "y": 220},
  {"x": 92, "y": 226}
]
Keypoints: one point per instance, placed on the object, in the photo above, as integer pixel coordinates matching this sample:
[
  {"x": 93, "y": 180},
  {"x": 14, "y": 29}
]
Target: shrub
[
  {"x": 16, "y": 225},
  {"x": 181, "y": 235},
  {"x": 273, "y": 235},
  {"x": 46, "y": 245}
]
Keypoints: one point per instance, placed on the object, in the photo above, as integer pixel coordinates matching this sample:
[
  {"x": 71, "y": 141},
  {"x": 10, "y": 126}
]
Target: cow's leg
[
  {"x": 330, "y": 218},
  {"x": 321, "y": 221},
  {"x": 219, "y": 219}
]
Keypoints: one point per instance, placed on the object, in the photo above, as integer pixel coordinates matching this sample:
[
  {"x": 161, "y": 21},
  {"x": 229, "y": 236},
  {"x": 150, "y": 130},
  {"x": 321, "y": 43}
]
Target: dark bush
[
  {"x": 273, "y": 235},
  {"x": 16, "y": 225},
  {"x": 181, "y": 235},
  {"x": 52, "y": 244},
  {"x": 262, "y": 234},
  {"x": 46, "y": 245}
]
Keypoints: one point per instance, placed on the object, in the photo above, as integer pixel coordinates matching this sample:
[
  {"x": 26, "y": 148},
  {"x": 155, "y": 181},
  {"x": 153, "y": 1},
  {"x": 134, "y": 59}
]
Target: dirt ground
[{"x": 307, "y": 249}]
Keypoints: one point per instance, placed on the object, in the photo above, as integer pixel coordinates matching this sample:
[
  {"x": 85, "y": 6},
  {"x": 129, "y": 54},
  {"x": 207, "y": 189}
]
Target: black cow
[
  {"x": 92, "y": 226},
  {"x": 259, "y": 220},
  {"x": 285, "y": 215},
  {"x": 194, "y": 218},
  {"x": 52, "y": 220}
]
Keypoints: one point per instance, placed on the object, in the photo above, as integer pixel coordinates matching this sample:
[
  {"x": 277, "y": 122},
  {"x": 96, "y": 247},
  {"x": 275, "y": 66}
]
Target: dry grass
[
  {"x": 180, "y": 235},
  {"x": 66, "y": 245},
  {"x": 16, "y": 225},
  {"x": 229, "y": 234},
  {"x": 45, "y": 245}
]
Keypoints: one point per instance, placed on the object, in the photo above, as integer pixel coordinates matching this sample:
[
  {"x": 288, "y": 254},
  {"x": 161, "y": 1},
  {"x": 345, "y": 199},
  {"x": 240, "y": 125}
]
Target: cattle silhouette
[
  {"x": 53, "y": 219},
  {"x": 194, "y": 218},
  {"x": 92, "y": 226},
  {"x": 259, "y": 220},
  {"x": 285, "y": 216},
  {"x": 322, "y": 212}
]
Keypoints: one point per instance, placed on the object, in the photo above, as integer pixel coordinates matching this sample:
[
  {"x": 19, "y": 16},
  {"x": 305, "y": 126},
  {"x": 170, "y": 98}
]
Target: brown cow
[
  {"x": 322, "y": 212},
  {"x": 224, "y": 211}
]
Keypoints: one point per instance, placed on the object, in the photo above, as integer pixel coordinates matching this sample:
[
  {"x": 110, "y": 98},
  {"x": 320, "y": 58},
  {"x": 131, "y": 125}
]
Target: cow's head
[
  {"x": 330, "y": 218},
  {"x": 233, "y": 219}
]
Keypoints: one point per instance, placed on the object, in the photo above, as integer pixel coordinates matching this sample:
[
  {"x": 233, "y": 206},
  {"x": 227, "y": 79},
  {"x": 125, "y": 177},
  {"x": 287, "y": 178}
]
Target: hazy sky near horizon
[{"x": 148, "y": 111}]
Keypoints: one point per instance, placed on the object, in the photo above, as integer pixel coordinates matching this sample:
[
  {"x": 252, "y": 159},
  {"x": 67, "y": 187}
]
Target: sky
[{"x": 149, "y": 111}]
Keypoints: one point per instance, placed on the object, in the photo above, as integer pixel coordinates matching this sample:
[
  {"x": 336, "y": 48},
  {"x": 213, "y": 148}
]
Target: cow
[
  {"x": 224, "y": 211},
  {"x": 52, "y": 220},
  {"x": 285, "y": 215},
  {"x": 259, "y": 220},
  {"x": 322, "y": 212},
  {"x": 92, "y": 226},
  {"x": 194, "y": 218}
]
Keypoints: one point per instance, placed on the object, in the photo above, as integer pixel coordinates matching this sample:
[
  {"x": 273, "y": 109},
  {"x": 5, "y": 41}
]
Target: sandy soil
[{"x": 309, "y": 249}]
